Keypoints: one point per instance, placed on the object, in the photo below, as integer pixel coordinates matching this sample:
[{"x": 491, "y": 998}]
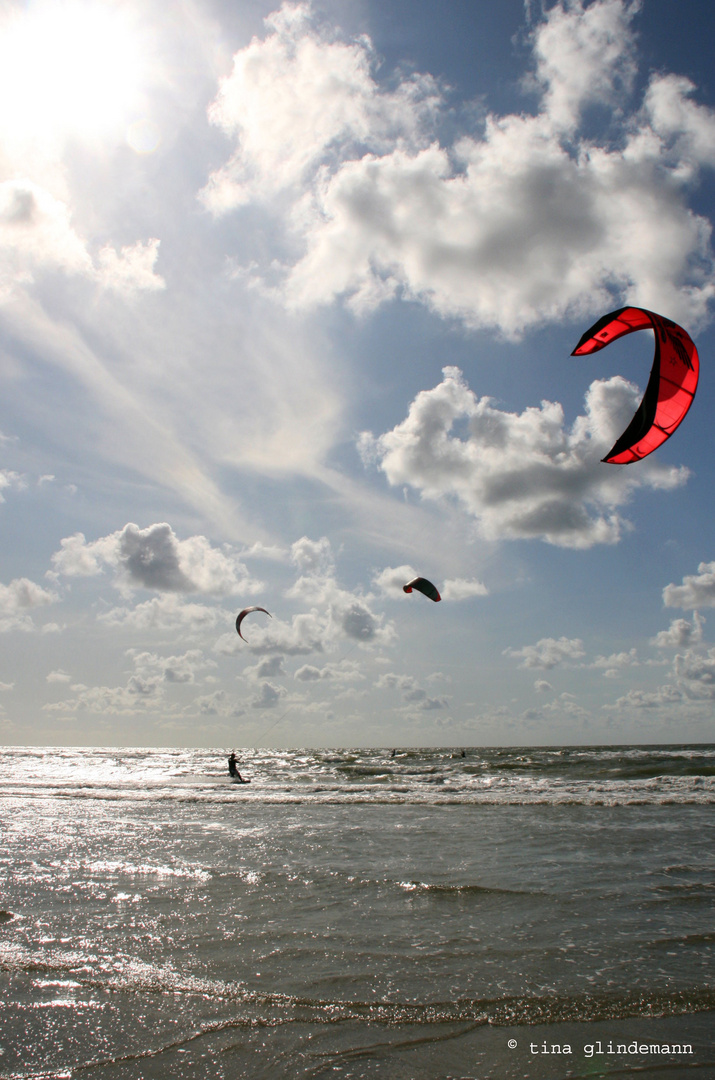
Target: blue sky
[{"x": 287, "y": 302}]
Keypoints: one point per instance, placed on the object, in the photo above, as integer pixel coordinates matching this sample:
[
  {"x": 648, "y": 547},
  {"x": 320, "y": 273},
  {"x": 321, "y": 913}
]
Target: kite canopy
[
  {"x": 424, "y": 586},
  {"x": 247, "y": 611},
  {"x": 671, "y": 387}
]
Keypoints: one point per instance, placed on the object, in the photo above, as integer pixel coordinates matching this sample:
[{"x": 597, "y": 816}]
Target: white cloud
[
  {"x": 522, "y": 475},
  {"x": 304, "y": 634},
  {"x": 584, "y": 55},
  {"x": 167, "y": 612},
  {"x": 58, "y": 676},
  {"x": 10, "y": 480},
  {"x": 17, "y": 599},
  {"x": 139, "y": 695},
  {"x": 463, "y": 589},
  {"x": 336, "y": 612},
  {"x": 343, "y": 672},
  {"x": 525, "y": 224},
  {"x": 154, "y": 558},
  {"x": 268, "y": 696},
  {"x": 615, "y": 663},
  {"x": 542, "y": 686},
  {"x": 411, "y": 692},
  {"x": 145, "y": 690},
  {"x": 218, "y": 703},
  {"x": 667, "y": 695},
  {"x": 691, "y": 127},
  {"x": 267, "y": 668},
  {"x": 680, "y": 633},
  {"x": 132, "y": 269},
  {"x": 548, "y": 652},
  {"x": 391, "y": 580},
  {"x": 697, "y": 590},
  {"x": 36, "y": 233},
  {"x": 696, "y": 674},
  {"x": 312, "y": 556},
  {"x": 297, "y": 96},
  {"x": 170, "y": 669}
]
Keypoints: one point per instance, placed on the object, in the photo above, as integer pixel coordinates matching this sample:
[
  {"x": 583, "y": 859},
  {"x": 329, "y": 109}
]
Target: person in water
[{"x": 233, "y": 767}]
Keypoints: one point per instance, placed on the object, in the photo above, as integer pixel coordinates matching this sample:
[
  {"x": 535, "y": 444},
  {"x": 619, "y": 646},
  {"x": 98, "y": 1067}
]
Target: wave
[
  {"x": 575, "y": 776},
  {"x": 137, "y": 977},
  {"x": 440, "y": 889}
]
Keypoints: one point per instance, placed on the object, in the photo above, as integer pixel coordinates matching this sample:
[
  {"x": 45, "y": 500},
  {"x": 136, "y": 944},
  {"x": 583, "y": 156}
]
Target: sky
[{"x": 288, "y": 296}]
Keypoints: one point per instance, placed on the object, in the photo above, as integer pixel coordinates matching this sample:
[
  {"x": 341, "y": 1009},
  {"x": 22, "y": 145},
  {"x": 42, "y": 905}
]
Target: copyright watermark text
[{"x": 593, "y": 1049}]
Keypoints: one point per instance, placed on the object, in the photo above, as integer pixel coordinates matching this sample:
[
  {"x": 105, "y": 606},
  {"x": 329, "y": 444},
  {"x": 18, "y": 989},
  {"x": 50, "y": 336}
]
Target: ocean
[{"x": 417, "y": 914}]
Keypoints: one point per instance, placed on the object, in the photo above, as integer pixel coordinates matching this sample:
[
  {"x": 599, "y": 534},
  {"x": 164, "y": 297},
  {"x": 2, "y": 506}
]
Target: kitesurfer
[{"x": 233, "y": 767}]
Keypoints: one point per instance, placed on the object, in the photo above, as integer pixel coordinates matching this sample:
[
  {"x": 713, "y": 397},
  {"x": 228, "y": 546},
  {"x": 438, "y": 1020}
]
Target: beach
[{"x": 513, "y": 912}]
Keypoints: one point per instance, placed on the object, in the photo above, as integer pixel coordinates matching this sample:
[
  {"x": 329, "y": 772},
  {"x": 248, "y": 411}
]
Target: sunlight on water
[{"x": 160, "y": 920}]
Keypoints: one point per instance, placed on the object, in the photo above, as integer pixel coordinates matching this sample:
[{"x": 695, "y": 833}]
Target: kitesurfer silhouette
[{"x": 233, "y": 768}]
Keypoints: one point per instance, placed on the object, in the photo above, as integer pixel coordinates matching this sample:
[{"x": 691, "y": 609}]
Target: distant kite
[
  {"x": 424, "y": 586},
  {"x": 242, "y": 616},
  {"x": 671, "y": 387}
]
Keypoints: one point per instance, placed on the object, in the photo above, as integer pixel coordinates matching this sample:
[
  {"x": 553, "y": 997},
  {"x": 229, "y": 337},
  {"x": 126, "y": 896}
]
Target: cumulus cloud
[
  {"x": 680, "y": 633},
  {"x": 218, "y": 703},
  {"x": 526, "y": 223},
  {"x": 583, "y": 55},
  {"x": 10, "y": 480},
  {"x": 132, "y": 269},
  {"x": 139, "y": 695},
  {"x": 343, "y": 672},
  {"x": 613, "y": 665},
  {"x": 145, "y": 690},
  {"x": 166, "y": 612},
  {"x": 697, "y": 590},
  {"x": 548, "y": 652},
  {"x": 312, "y": 556},
  {"x": 170, "y": 669},
  {"x": 298, "y": 95},
  {"x": 268, "y": 696},
  {"x": 267, "y": 668},
  {"x": 391, "y": 580},
  {"x": 304, "y": 634},
  {"x": 58, "y": 676},
  {"x": 687, "y": 126},
  {"x": 411, "y": 692},
  {"x": 36, "y": 233},
  {"x": 667, "y": 695},
  {"x": 17, "y": 599},
  {"x": 696, "y": 674},
  {"x": 154, "y": 558},
  {"x": 463, "y": 589},
  {"x": 521, "y": 475},
  {"x": 335, "y": 612}
]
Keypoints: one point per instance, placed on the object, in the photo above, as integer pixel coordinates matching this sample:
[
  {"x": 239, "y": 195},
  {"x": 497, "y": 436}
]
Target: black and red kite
[
  {"x": 671, "y": 387},
  {"x": 424, "y": 586}
]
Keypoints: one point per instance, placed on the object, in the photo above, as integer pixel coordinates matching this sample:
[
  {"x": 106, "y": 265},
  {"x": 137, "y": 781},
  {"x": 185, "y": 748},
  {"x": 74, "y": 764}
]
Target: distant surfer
[{"x": 233, "y": 767}]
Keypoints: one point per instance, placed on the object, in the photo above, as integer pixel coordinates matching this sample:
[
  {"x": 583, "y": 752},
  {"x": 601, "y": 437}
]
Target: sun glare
[{"x": 68, "y": 69}]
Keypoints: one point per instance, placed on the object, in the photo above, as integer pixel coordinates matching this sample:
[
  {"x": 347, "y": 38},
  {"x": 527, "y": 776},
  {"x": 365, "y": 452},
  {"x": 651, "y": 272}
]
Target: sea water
[{"x": 420, "y": 914}]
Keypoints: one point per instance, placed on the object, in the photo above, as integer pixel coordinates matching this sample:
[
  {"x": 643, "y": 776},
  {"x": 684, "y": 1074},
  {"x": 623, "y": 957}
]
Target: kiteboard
[{"x": 235, "y": 780}]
